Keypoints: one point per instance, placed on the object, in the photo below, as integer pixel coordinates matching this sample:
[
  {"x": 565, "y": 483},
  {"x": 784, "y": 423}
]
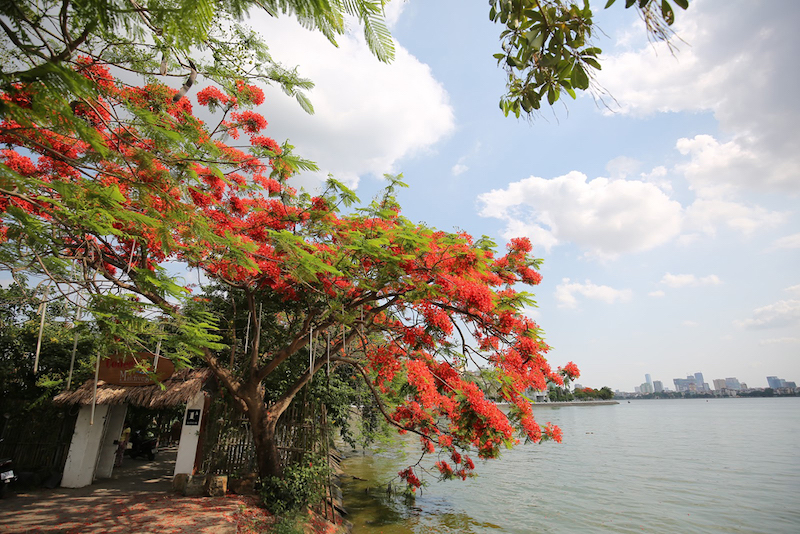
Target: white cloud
[
  {"x": 657, "y": 293},
  {"x": 392, "y": 12},
  {"x": 689, "y": 280},
  {"x": 716, "y": 168},
  {"x": 780, "y": 314},
  {"x": 789, "y": 241},
  {"x": 794, "y": 290},
  {"x": 605, "y": 217},
  {"x": 458, "y": 168},
  {"x": 735, "y": 63},
  {"x": 621, "y": 167},
  {"x": 690, "y": 324},
  {"x": 706, "y": 216},
  {"x": 779, "y": 341},
  {"x": 461, "y": 165},
  {"x": 566, "y": 293},
  {"x": 688, "y": 239},
  {"x": 359, "y": 126},
  {"x": 657, "y": 177}
]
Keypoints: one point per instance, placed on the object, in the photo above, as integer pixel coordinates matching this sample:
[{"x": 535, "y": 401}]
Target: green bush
[
  {"x": 302, "y": 484},
  {"x": 290, "y": 524}
]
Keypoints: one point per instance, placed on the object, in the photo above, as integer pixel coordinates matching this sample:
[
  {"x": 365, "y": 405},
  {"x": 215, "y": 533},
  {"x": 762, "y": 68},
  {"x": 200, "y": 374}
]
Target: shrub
[{"x": 303, "y": 484}]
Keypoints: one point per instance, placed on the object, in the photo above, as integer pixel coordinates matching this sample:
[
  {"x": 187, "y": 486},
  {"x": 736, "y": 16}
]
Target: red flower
[
  {"x": 249, "y": 94},
  {"x": 266, "y": 142},
  {"x": 250, "y": 121},
  {"x": 553, "y": 432},
  {"x": 571, "y": 370},
  {"x": 211, "y": 97},
  {"x": 20, "y": 164}
]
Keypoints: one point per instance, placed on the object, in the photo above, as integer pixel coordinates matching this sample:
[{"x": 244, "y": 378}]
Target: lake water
[{"x": 656, "y": 466}]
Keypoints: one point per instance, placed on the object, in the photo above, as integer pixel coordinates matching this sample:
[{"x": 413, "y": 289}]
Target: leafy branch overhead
[
  {"x": 547, "y": 48},
  {"x": 179, "y": 39}
]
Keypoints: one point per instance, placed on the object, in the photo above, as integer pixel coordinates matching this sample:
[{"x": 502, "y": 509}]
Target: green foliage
[
  {"x": 165, "y": 36},
  {"x": 557, "y": 394},
  {"x": 303, "y": 484},
  {"x": 289, "y": 524},
  {"x": 605, "y": 393},
  {"x": 547, "y": 49},
  {"x": 19, "y": 333},
  {"x": 349, "y": 402},
  {"x": 327, "y": 16}
]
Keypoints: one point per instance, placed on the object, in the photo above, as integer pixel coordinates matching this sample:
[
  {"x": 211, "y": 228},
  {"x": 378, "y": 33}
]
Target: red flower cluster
[
  {"x": 571, "y": 370},
  {"x": 266, "y": 142},
  {"x": 410, "y": 478},
  {"x": 553, "y": 432},
  {"x": 212, "y": 97},
  {"x": 19, "y": 164},
  {"x": 249, "y": 94},
  {"x": 249, "y": 121}
]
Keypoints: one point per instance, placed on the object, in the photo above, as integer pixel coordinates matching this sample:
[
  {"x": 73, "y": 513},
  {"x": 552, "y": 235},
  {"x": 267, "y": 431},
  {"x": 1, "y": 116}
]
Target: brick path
[{"x": 137, "y": 499}]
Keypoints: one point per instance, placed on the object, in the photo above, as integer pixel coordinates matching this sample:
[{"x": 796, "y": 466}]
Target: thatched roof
[{"x": 179, "y": 388}]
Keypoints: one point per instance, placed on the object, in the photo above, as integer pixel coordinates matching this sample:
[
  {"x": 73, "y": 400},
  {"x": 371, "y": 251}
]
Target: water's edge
[{"x": 676, "y": 465}]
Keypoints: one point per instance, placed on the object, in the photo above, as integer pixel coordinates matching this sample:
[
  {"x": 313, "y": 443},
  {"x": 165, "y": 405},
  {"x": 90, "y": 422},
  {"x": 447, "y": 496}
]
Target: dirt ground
[{"x": 138, "y": 498}]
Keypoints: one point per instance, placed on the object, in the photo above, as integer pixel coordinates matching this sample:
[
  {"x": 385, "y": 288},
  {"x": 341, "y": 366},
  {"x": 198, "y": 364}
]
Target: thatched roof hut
[{"x": 181, "y": 387}]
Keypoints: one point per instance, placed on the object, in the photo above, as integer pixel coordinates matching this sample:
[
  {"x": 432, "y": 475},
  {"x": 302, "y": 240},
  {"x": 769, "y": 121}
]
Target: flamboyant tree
[
  {"x": 103, "y": 184},
  {"x": 402, "y": 303}
]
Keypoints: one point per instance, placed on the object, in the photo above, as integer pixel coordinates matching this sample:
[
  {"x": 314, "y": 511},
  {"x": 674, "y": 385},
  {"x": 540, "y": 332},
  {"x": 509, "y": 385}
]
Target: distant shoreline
[{"x": 573, "y": 403}]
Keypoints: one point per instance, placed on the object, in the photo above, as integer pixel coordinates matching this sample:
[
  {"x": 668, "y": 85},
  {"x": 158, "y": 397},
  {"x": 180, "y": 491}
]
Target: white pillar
[
  {"x": 190, "y": 434},
  {"x": 115, "y": 422},
  {"x": 85, "y": 447}
]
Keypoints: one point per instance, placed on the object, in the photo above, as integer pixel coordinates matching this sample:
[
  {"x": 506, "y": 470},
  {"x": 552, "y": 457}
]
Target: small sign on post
[{"x": 192, "y": 417}]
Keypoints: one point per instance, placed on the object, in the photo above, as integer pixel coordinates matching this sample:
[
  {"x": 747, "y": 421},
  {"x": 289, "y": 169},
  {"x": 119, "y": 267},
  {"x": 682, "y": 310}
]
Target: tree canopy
[
  {"x": 109, "y": 179},
  {"x": 408, "y": 307}
]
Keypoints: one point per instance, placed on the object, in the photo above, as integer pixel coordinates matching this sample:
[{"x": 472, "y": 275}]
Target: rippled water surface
[{"x": 723, "y": 465}]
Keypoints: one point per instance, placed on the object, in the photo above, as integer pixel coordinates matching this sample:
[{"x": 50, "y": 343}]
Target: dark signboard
[{"x": 192, "y": 417}]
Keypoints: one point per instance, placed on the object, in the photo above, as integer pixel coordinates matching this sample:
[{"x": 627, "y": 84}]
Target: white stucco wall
[
  {"x": 190, "y": 435},
  {"x": 83, "y": 451},
  {"x": 115, "y": 422}
]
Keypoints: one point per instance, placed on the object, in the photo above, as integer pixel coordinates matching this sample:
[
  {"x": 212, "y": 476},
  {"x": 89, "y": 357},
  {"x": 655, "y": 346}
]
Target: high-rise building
[
  {"x": 690, "y": 383},
  {"x": 646, "y": 388},
  {"x": 719, "y": 384},
  {"x": 683, "y": 384},
  {"x": 658, "y": 387},
  {"x": 774, "y": 382},
  {"x": 648, "y": 379},
  {"x": 733, "y": 383},
  {"x": 701, "y": 383}
]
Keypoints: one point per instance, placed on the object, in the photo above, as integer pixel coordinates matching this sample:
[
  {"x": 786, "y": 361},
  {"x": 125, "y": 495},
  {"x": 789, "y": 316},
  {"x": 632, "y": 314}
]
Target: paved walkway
[{"x": 136, "y": 499}]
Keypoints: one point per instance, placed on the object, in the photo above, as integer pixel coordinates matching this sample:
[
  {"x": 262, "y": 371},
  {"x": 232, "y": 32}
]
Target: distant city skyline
[{"x": 699, "y": 384}]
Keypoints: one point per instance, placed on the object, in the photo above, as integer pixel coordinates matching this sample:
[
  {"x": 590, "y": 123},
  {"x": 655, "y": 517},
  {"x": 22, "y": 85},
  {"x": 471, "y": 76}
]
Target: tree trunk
[
  {"x": 266, "y": 442},
  {"x": 263, "y": 425}
]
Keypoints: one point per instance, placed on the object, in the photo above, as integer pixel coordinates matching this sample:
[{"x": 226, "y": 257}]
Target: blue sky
[{"x": 667, "y": 217}]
